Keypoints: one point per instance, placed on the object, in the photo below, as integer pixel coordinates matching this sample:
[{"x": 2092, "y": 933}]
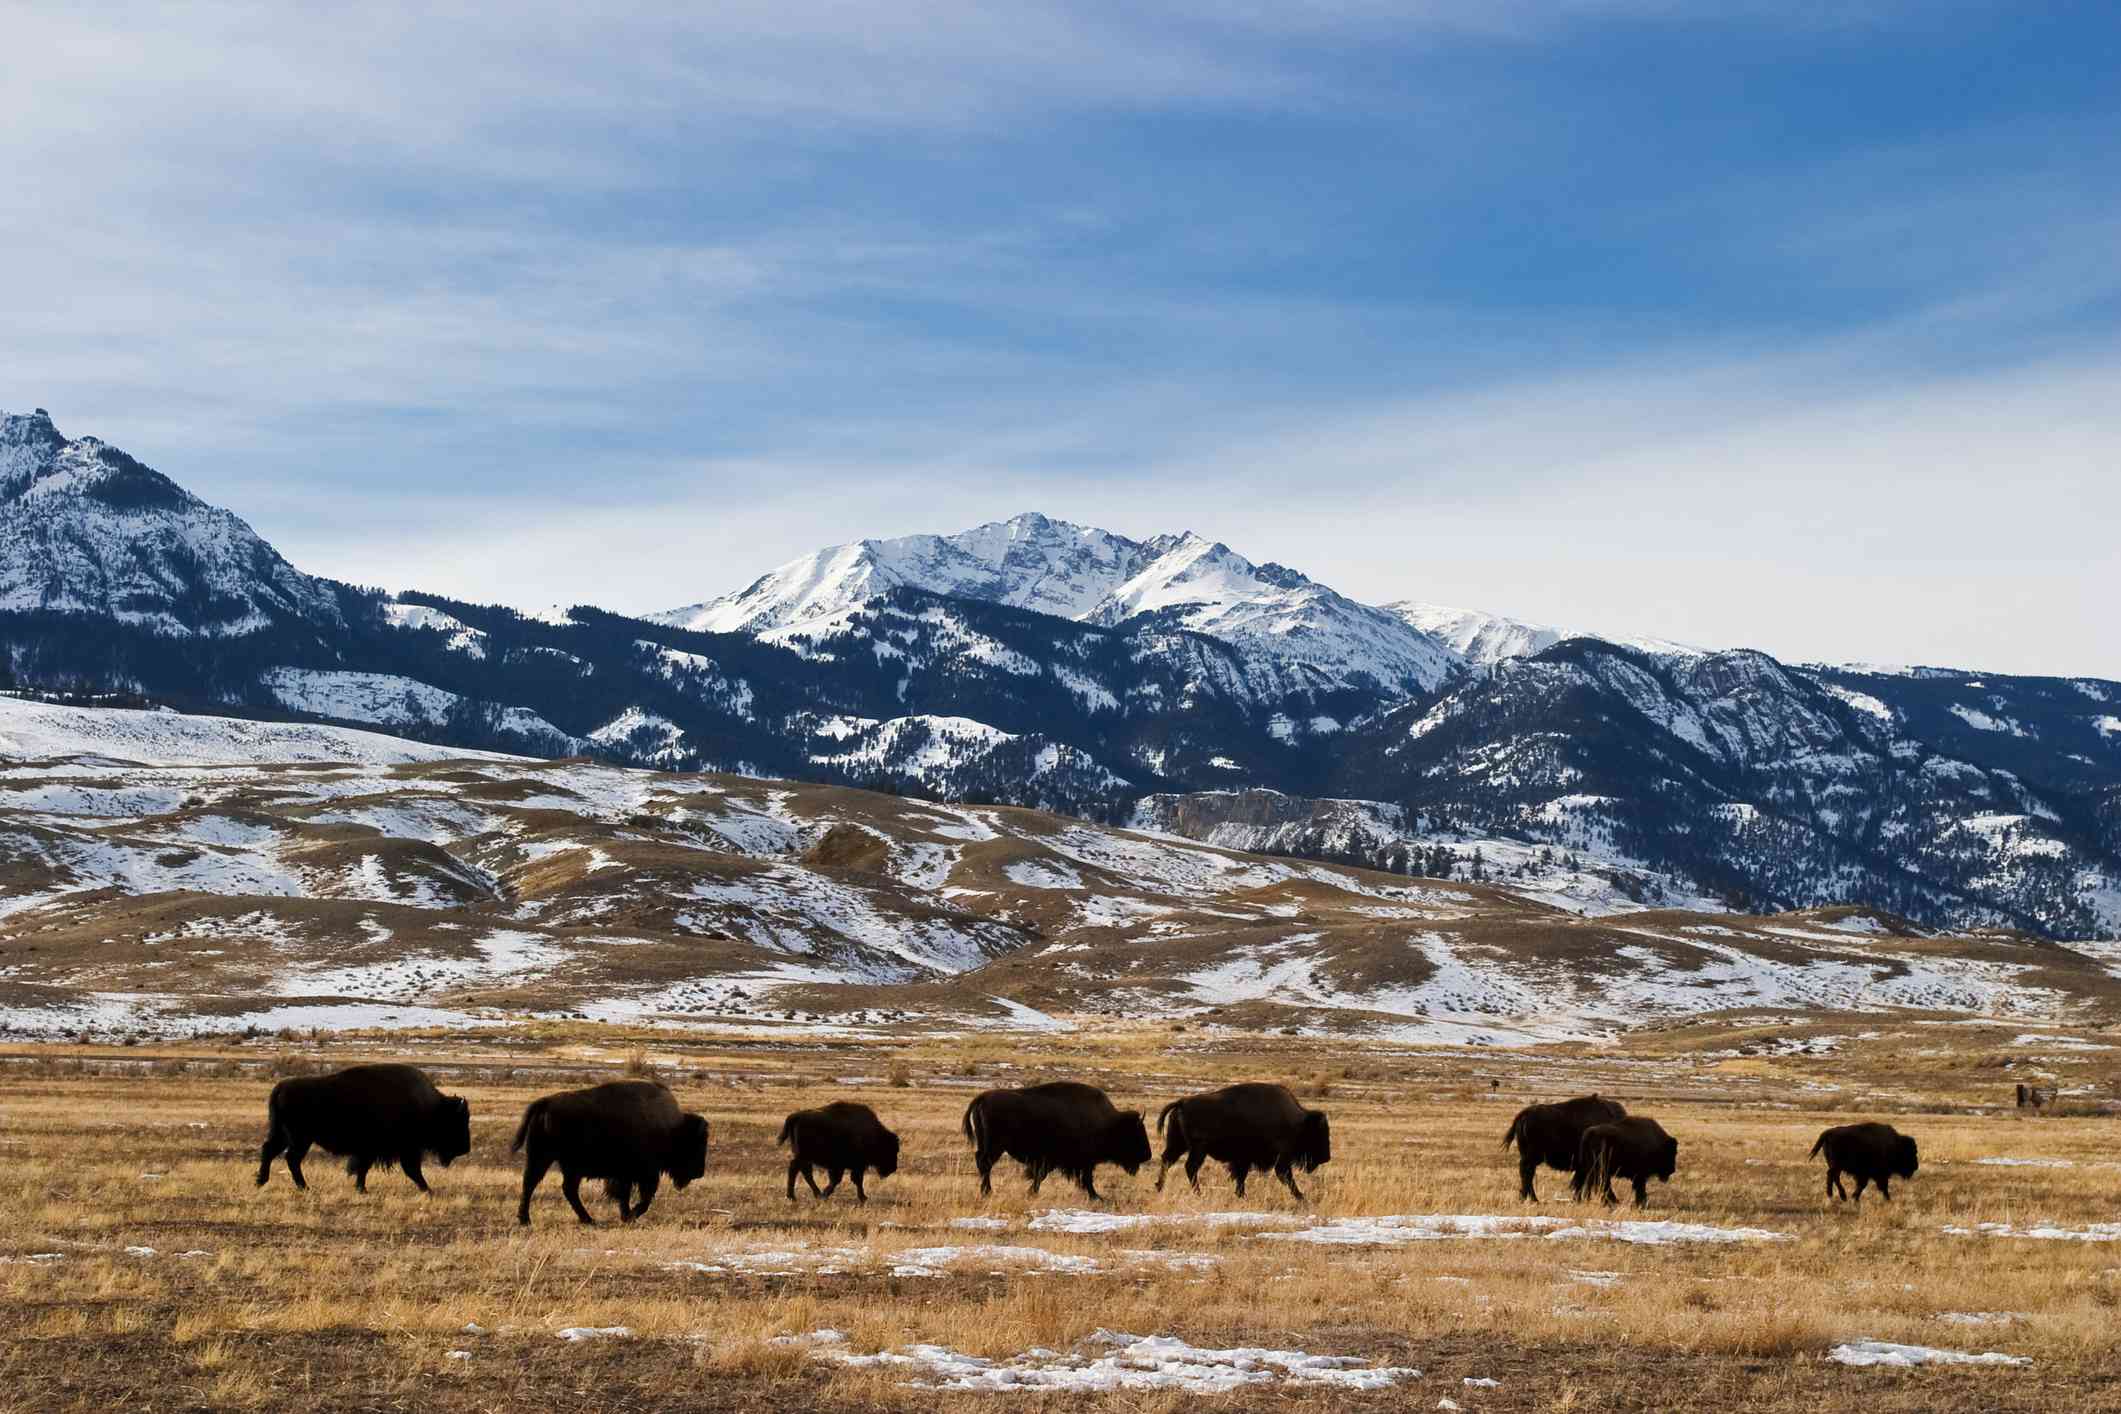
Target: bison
[
  {"x": 1246, "y": 1127},
  {"x": 1551, "y": 1135},
  {"x": 841, "y": 1138},
  {"x": 1636, "y": 1149},
  {"x": 369, "y": 1114},
  {"x": 626, "y": 1132},
  {"x": 1061, "y": 1127},
  {"x": 1872, "y": 1153}
]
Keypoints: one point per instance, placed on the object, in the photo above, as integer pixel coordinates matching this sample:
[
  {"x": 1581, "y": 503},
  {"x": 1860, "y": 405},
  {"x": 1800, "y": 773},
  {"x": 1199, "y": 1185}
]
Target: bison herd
[{"x": 632, "y": 1134}]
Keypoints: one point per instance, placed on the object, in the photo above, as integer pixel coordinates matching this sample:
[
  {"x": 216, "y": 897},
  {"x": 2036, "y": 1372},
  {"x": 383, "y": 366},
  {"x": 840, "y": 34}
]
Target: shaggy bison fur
[
  {"x": 369, "y": 1114},
  {"x": 1247, "y": 1127},
  {"x": 1636, "y": 1149},
  {"x": 1551, "y": 1135},
  {"x": 841, "y": 1138},
  {"x": 1870, "y": 1153},
  {"x": 1061, "y": 1127},
  {"x": 627, "y": 1133}
]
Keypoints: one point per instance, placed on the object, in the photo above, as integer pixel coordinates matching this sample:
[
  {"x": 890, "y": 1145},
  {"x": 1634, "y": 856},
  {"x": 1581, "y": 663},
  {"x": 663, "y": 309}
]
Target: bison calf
[
  {"x": 1246, "y": 1127},
  {"x": 1551, "y": 1135},
  {"x": 841, "y": 1138},
  {"x": 369, "y": 1114},
  {"x": 627, "y": 1133},
  {"x": 1061, "y": 1127},
  {"x": 1636, "y": 1149},
  {"x": 1871, "y": 1153}
]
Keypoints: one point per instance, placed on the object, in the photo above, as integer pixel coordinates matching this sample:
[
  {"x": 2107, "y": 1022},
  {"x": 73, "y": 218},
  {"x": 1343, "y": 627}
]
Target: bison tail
[
  {"x": 1165, "y": 1113},
  {"x": 974, "y": 1119},
  {"x": 787, "y": 1131},
  {"x": 1817, "y": 1145},
  {"x": 1515, "y": 1125},
  {"x": 530, "y": 1116}
]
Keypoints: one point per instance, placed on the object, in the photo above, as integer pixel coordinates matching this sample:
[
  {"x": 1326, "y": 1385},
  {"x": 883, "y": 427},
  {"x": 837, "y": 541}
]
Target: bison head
[
  {"x": 1670, "y": 1159},
  {"x": 1314, "y": 1140},
  {"x": 1904, "y": 1161},
  {"x": 885, "y": 1160},
  {"x": 449, "y": 1130},
  {"x": 688, "y": 1151},
  {"x": 1128, "y": 1145}
]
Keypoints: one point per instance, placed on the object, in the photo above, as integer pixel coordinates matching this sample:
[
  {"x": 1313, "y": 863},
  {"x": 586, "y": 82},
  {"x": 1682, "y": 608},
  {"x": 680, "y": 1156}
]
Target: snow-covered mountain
[
  {"x": 1093, "y": 576},
  {"x": 1037, "y": 663},
  {"x": 85, "y": 529}
]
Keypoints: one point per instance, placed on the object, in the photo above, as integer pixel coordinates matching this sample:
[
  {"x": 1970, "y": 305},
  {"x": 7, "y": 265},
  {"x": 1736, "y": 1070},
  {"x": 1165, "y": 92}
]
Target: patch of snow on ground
[
  {"x": 1397, "y": 1230},
  {"x": 2002, "y": 1163},
  {"x": 1885, "y": 1352},
  {"x": 1115, "y": 1361},
  {"x": 2043, "y": 1232},
  {"x": 1042, "y": 874}
]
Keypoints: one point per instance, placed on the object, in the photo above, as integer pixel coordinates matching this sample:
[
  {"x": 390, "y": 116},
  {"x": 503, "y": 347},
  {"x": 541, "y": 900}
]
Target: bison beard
[
  {"x": 1062, "y": 1127},
  {"x": 1245, "y": 1127},
  {"x": 627, "y": 1133},
  {"x": 1552, "y": 1134},
  {"x": 842, "y": 1137},
  {"x": 1635, "y": 1149},
  {"x": 1870, "y": 1153},
  {"x": 370, "y": 1114}
]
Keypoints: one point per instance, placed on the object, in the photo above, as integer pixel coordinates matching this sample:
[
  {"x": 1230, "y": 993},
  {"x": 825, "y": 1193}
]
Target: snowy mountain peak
[
  {"x": 1079, "y": 572},
  {"x": 84, "y": 528},
  {"x": 1484, "y": 639}
]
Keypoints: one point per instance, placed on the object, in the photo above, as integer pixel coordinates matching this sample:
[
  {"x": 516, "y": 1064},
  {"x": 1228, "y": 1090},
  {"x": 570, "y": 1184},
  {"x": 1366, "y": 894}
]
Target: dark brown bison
[
  {"x": 369, "y": 1114},
  {"x": 1061, "y": 1127},
  {"x": 627, "y": 1132},
  {"x": 1636, "y": 1149},
  {"x": 1871, "y": 1153},
  {"x": 841, "y": 1138},
  {"x": 1246, "y": 1127},
  {"x": 1551, "y": 1135}
]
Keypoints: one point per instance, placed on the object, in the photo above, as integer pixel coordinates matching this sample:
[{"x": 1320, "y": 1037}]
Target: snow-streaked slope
[
  {"x": 1093, "y": 576},
  {"x": 85, "y": 529},
  {"x": 162, "y": 896},
  {"x": 40, "y": 731}
]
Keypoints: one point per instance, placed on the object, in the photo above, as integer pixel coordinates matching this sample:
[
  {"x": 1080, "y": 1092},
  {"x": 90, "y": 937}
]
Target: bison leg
[
  {"x": 1088, "y": 1179},
  {"x": 833, "y": 1176},
  {"x": 986, "y": 1173},
  {"x": 1038, "y": 1169},
  {"x": 535, "y": 1166},
  {"x": 358, "y": 1166},
  {"x": 1174, "y": 1150},
  {"x": 275, "y": 1141},
  {"x": 1642, "y": 1193},
  {"x": 794, "y": 1166},
  {"x": 1288, "y": 1181},
  {"x": 1193, "y": 1162},
  {"x": 1885, "y": 1187},
  {"x": 411, "y": 1166},
  {"x": 861, "y": 1195},
  {"x": 1833, "y": 1184},
  {"x": 571, "y": 1190},
  {"x": 620, "y": 1191},
  {"x": 297, "y": 1150},
  {"x": 1240, "y": 1172},
  {"x": 650, "y": 1182},
  {"x": 1861, "y": 1179},
  {"x": 1527, "y": 1165}
]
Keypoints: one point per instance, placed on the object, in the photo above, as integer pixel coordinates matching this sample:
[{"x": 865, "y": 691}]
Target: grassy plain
[{"x": 256, "y": 1298}]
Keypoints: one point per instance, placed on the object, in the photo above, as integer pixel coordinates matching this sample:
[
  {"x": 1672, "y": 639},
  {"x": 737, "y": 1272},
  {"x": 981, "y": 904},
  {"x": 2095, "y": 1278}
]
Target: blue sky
[{"x": 1793, "y": 325}]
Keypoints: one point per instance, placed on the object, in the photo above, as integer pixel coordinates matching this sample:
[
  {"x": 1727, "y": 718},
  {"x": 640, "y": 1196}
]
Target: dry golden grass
[{"x": 330, "y": 1299}]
